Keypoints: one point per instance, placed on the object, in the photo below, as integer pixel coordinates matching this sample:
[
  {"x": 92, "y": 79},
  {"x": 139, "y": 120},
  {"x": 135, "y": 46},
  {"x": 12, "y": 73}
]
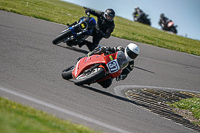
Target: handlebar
[
  {"x": 85, "y": 7},
  {"x": 87, "y": 13}
]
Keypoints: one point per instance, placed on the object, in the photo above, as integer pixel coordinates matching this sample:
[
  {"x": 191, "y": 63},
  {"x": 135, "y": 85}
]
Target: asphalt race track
[{"x": 30, "y": 73}]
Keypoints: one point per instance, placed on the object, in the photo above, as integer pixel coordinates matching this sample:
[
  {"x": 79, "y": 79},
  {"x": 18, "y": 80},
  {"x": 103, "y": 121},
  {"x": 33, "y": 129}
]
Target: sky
[{"x": 184, "y": 13}]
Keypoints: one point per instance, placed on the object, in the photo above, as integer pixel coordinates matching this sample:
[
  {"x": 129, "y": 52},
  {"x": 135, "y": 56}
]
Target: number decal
[
  {"x": 113, "y": 66},
  {"x": 83, "y": 25}
]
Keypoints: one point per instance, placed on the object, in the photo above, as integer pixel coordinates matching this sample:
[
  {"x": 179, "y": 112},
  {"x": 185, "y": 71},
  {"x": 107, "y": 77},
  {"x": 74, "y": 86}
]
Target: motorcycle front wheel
[
  {"x": 89, "y": 77},
  {"x": 173, "y": 29},
  {"x": 62, "y": 37},
  {"x": 67, "y": 73},
  {"x": 148, "y": 22}
]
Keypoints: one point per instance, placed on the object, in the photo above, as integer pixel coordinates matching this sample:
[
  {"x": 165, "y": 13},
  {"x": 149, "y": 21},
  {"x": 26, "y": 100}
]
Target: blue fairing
[
  {"x": 72, "y": 30},
  {"x": 92, "y": 22}
]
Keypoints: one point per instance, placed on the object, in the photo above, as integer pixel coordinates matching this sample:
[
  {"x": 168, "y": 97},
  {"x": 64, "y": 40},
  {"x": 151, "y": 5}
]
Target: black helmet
[
  {"x": 109, "y": 14},
  {"x": 162, "y": 15}
]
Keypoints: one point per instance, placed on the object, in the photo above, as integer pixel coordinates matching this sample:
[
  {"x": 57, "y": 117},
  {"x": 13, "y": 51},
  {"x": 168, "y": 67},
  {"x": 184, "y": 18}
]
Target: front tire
[
  {"x": 89, "y": 77},
  {"x": 67, "y": 73},
  {"x": 148, "y": 22},
  {"x": 61, "y": 37},
  {"x": 173, "y": 29}
]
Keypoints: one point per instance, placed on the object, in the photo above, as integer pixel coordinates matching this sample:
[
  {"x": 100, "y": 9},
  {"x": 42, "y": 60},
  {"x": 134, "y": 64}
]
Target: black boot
[
  {"x": 81, "y": 44},
  {"x": 84, "y": 42},
  {"x": 106, "y": 83},
  {"x": 91, "y": 47}
]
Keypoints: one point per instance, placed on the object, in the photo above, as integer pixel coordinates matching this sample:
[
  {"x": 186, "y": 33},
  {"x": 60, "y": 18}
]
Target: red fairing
[
  {"x": 170, "y": 24},
  {"x": 106, "y": 60},
  {"x": 85, "y": 63}
]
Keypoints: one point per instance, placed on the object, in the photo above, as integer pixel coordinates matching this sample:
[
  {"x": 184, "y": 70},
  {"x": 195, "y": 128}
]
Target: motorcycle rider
[
  {"x": 138, "y": 14},
  {"x": 104, "y": 28},
  {"x": 131, "y": 52},
  {"x": 163, "y": 21}
]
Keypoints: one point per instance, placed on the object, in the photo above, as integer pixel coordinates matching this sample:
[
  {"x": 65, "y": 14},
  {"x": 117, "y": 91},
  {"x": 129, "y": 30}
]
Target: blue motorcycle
[{"x": 77, "y": 32}]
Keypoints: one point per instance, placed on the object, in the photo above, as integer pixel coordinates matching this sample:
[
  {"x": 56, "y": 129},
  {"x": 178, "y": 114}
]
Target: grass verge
[
  {"x": 188, "y": 108},
  {"x": 63, "y": 12},
  {"x": 15, "y": 118}
]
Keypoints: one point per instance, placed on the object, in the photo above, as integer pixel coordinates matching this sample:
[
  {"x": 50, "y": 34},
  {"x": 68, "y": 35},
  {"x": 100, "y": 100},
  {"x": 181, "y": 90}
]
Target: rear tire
[
  {"x": 87, "y": 78},
  {"x": 61, "y": 37}
]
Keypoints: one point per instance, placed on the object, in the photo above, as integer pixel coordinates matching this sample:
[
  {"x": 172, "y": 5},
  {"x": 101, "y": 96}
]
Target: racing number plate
[
  {"x": 113, "y": 66},
  {"x": 83, "y": 25}
]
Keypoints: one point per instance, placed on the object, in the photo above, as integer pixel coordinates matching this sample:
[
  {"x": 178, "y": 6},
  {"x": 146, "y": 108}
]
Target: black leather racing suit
[
  {"x": 103, "y": 28},
  {"x": 138, "y": 15},
  {"x": 163, "y": 22}
]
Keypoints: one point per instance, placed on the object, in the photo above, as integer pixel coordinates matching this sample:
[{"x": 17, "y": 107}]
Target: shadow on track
[
  {"x": 144, "y": 70},
  {"x": 74, "y": 49},
  {"x": 111, "y": 95},
  {"x": 149, "y": 103}
]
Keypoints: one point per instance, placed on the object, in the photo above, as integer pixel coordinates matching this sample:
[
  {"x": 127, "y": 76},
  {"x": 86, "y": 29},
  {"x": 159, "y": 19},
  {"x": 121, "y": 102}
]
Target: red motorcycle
[
  {"x": 169, "y": 27},
  {"x": 172, "y": 27},
  {"x": 96, "y": 68}
]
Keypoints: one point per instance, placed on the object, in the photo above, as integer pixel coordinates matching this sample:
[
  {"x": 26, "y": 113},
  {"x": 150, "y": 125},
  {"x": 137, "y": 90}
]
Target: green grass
[
  {"x": 63, "y": 12},
  {"x": 191, "y": 104},
  {"x": 15, "y": 118}
]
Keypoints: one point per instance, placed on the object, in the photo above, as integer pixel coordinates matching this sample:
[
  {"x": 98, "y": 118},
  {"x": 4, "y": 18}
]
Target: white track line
[{"x": 64, "y": 110}]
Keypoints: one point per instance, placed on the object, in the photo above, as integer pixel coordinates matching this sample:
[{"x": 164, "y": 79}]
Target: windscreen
[{"x": 121, "y": 59}]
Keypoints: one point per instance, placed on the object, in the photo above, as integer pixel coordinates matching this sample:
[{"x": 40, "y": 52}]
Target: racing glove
[
  {"x": 120, "y": 48},
  {"x": 88, "y": 10},
  {"x": 106, "y": 50},
  {"x": 103, "y": 49}
]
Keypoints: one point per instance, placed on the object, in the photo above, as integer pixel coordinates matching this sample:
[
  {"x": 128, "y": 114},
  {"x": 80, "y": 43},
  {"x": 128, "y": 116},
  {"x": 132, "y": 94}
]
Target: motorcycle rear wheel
[
  {"x": 89, "y": 77},
  {"x": 62, "y": 37}
]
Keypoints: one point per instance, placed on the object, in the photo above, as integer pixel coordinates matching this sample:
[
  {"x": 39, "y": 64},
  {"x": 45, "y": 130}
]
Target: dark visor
[
  {"x": 109, "y": 17},
  {"x": 130, "y": 53}
]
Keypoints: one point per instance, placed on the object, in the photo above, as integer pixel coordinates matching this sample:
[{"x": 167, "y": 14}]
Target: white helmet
[
  {"x": 136, "y": 7},
  {"x": 131, "y": 51}
]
